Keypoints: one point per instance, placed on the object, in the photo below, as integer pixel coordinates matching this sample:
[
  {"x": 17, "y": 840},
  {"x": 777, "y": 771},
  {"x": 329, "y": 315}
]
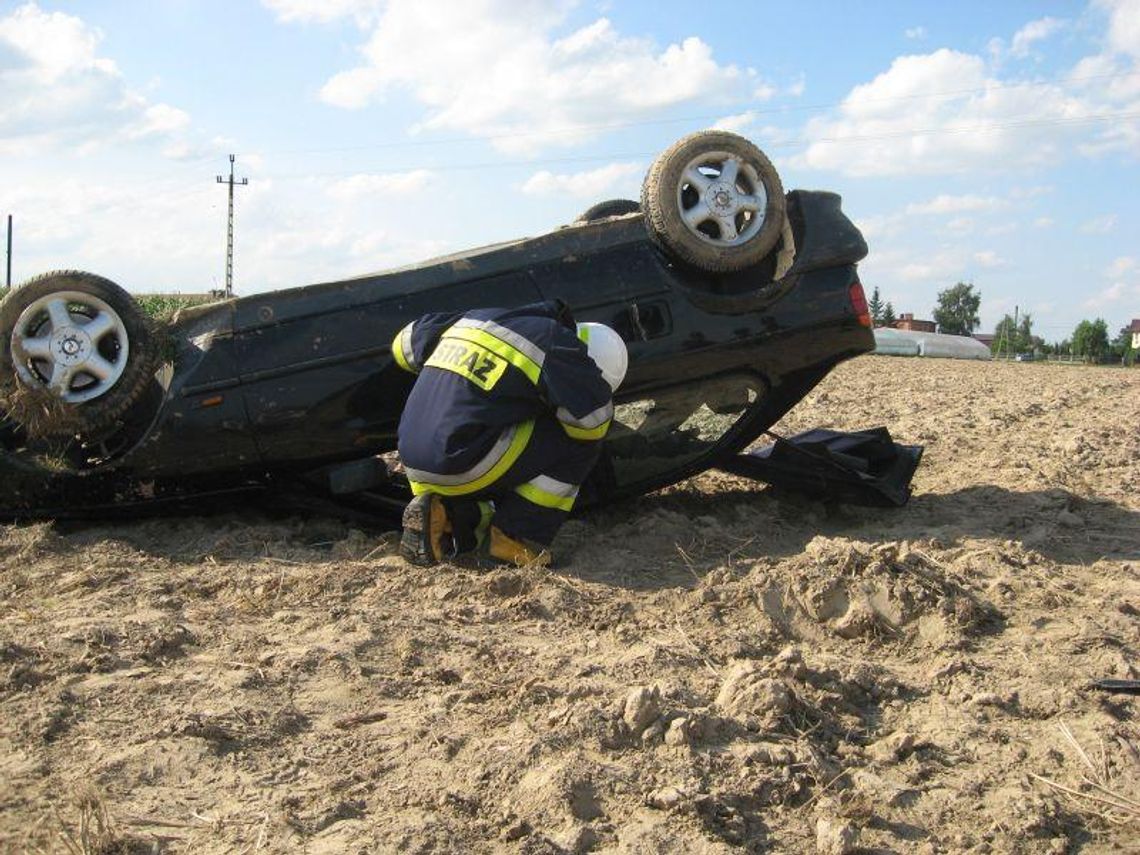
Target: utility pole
[
  {"x": 8, "y": 279},
  {"x": 230, "y": 227},
  {"x": 1005, "y": 340}
]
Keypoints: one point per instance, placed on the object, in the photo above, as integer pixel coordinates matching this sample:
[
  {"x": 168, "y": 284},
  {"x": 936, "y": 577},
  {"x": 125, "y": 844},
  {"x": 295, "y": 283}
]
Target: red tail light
[{"x": 859, "y": 304}]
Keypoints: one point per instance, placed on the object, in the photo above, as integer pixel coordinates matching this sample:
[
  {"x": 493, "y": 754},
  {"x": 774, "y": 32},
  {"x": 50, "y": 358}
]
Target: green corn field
[{"x": 162, "y": 307}]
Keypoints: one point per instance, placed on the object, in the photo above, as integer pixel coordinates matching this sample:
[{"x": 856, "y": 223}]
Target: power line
[
  {"x": 791, "y": 143},
  {"x": 230, "y": 227},
  {"x": 759, "y": 111},
  {"x": 190, "y": 163},
  {"x": 981, "y": 129}
]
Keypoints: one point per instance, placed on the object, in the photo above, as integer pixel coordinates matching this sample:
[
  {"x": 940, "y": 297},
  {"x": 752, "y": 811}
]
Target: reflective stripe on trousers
[{"x": 496, "y": 463}]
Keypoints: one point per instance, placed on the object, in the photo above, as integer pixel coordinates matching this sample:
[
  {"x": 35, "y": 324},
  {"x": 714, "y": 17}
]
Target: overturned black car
[{"x": 734, "y": 300}]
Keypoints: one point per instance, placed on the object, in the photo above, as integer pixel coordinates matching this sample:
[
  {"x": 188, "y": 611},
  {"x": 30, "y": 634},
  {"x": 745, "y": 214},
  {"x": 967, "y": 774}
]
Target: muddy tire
[
  {"x": 714, "y": 201},
  {"x": 608, "y": 208},
  {"x": 76, "y": 353}
]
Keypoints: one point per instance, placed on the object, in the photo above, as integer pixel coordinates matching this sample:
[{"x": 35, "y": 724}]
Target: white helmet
[{"x": 607, "y": 350}]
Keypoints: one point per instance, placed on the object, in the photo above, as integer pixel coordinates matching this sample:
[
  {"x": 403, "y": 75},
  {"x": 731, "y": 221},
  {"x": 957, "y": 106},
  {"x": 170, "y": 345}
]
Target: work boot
[
  {"x": 469, "y": 519},
  {"x": 427, "y": 536},
  {"x": 504, "y": 549}
]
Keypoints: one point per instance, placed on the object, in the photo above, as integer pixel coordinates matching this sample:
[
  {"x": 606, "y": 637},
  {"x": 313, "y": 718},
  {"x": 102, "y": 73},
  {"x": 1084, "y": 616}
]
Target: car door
[{"x": 317, "y": 371}]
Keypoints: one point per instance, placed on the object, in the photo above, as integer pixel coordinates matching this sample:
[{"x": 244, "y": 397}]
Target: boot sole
[{"x": 414, "y": 547}]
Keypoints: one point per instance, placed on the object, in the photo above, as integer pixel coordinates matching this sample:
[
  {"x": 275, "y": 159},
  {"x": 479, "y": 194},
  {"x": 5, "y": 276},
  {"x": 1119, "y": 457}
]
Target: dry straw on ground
[{"x": 1100, "y": 792}]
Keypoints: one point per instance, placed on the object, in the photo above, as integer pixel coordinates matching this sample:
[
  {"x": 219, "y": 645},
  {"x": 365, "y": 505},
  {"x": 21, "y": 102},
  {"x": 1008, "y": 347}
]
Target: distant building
[
  {"x": 1134, "y": 328},
  {"x": 907, "y": 322},
  {"x": 985, "y": 338}
]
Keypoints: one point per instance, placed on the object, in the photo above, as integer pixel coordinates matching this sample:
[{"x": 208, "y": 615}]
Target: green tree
[
  {"x": 1122, "y": 346},
  {"x": 1026, "y": 340},
  {"x": 957, "y": 309},
  {"x": 1090, "y": 339},
  {"x": 889, "y": 315},
  {"x": 875, "y": 307},
  {"x": 1015, "y": 337}
]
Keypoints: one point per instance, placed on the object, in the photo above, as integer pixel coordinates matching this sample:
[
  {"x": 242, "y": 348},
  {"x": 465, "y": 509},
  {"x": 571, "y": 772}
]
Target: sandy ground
[{"x": 715, "y": 668}]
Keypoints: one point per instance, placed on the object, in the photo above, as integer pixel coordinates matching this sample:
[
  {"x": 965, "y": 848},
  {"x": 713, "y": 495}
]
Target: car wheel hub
[
  {"x": 721, "y": 200},
  {"x": 71, "y": 346},
  {"x": 77, "y": 353}
]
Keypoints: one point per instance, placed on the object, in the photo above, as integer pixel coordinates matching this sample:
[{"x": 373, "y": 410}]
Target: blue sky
[{"x": 997, "y": 143}]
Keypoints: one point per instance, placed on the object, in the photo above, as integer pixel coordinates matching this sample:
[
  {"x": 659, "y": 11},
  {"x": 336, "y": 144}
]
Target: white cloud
[
  {"x": 737, "y": 122},
  {"x": 767, "y": 137},
  {"x": 948, "y": 204},
  {"x": 1101, "y": 225},
  {"x": 915, "y": 33},
  {"x": 288, "y": 232},
  {"x": 324, "y": 11},
  {"x": 158, "y": 119},
  {"x": 500, "y": 68},
  {"x": 944, "y": 205},
  {"x": 908, "y": 120},
  {"x": 382, "y": 185},
  {"x": 1006, "y": 228},
  {"x": 1117, "y": 292},
  {"x": 1120, "y": 266},
  {"x": 55, "y": 90},
  {"x": 1124, "y": 26},
  {"x": 899, "y": 123},
  {"x": 989, "y": 258},
  {"x": 917, "y": 271},
  {"x": 1111, "y": 78},
  {"x": 1043, "y": 222},
  {"x": 764, "y": 91},
  {"x": 945, "y": 264},
  {"x": 1033, "y": 32},
  {"x": 880, "y": 226},
  {"x": 1031, "y": 192},
  {"x": 583, "y": 185},
  {"x": 1124, "y": 278}
]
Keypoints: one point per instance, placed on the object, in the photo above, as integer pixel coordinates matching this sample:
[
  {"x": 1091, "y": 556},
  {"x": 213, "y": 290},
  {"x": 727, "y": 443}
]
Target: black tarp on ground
[{"x": 862, "y": 467}]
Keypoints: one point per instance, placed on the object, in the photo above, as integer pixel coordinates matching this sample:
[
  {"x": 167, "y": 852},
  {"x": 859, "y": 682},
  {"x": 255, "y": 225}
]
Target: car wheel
[
  {"x": 714, "y": 201},
  {"x": 609, "y": 208},
  {"x": 76, "y": 353}
]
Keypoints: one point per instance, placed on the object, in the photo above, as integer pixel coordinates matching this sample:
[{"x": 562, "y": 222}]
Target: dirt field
[{"x": 716, "y": 668}]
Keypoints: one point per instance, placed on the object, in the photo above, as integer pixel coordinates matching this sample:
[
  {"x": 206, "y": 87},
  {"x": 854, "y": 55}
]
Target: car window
[{"x": 654, "y": 435}]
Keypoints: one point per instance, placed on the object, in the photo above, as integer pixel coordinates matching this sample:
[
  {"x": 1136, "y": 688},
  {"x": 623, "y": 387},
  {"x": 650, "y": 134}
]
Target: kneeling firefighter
[{"x": 502, "y": 426}]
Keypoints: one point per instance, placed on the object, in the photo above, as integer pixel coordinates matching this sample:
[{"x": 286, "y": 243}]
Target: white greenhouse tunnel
[{"x": 891, "y": 342}]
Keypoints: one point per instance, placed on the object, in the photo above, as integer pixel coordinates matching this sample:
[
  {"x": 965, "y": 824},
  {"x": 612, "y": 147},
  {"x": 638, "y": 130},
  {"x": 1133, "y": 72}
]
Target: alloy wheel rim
[{"x": 72, "y": 344}]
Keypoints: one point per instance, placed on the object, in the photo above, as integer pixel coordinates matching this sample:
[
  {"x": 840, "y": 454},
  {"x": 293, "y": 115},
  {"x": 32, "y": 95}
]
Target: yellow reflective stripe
[
  {"x": 402, "y": 346},
  {"x": 587, "y": 433},
  {"x": 470, "y": 361},
  {"x": 591, "y": 420},
  {"x": 518, "y": 443},
  {"x": 547, "y": 500},
  {"x": 398, "y": 352},
  {"x": 499, "y": 347},
  {"x": 486, "y": 513}
]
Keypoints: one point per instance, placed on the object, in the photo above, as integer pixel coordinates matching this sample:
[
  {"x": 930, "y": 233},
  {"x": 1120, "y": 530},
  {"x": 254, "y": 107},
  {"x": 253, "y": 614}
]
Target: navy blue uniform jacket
[{"x": 484, "y": 376}]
